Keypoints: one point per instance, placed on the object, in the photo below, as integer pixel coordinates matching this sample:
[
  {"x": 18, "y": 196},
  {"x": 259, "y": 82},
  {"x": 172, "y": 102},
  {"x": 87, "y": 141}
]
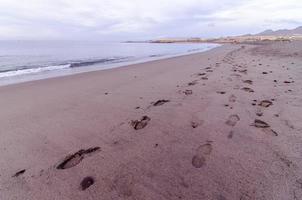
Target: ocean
[{"x": 30, "y": 60}]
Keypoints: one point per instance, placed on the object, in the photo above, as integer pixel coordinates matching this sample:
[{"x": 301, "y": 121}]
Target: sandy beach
[{"x": 223, "y": 124}]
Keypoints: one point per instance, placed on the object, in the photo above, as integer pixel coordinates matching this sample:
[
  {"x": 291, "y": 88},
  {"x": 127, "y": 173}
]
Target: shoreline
[
  {"x": 96, "y": 67},
  {"x": 221, "y": 124}
]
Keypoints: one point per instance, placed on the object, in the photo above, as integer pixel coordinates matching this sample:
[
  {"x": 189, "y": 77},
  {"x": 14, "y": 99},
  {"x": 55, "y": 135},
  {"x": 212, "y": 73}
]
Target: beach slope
[{"x": 223, "y": 124}]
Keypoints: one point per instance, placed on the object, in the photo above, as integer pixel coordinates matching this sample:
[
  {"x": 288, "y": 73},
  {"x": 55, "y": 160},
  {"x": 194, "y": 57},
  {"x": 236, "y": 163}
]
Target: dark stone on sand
[
  {"x": 194, "y": 124},
  {"x": 87, "y": 182},
  {"x": 19, "y": 173}
]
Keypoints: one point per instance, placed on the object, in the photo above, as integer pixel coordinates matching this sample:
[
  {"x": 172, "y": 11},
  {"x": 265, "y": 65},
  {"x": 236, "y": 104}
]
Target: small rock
[
  {"x": 19, "y": 173},
  {"x": 87, "y": 182}
]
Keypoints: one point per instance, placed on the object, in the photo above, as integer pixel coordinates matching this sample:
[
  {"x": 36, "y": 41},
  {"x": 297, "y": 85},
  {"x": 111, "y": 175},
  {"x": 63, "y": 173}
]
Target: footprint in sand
[
  {"x": 260, "y": 124},
  {"x": 74, "y": 159},
  {"x": 248, "y": 82},
  {"x": 244, "y": 71},
  {"x": 160, "y": 102},
  {"x": 247, "y": 89},
  {"x": 201, "y": 74},
  {"x": 188, "y": 92},
  {"x": 202, "y": 152},
  {"x": 140, "y": 124},
  {"x": 232, "y": 120},
  {"x": 193, "y": 83},
  {"x": 265, "y": 103}
]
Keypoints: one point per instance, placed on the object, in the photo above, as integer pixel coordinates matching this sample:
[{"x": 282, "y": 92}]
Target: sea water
[{"x": 29, "y": 60}]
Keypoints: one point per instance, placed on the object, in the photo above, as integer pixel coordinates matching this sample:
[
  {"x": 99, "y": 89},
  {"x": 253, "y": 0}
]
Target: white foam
[{"x": 33, "y": 70}]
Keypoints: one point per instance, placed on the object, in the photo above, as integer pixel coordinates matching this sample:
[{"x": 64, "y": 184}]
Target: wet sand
[{"x": 223, "y": 124}]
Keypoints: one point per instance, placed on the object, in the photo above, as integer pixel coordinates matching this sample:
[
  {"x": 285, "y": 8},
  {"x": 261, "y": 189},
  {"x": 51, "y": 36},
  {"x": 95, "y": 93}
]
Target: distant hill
[
  {"x": 265, "y": 36},
  {"x": 282, "y": 32}
]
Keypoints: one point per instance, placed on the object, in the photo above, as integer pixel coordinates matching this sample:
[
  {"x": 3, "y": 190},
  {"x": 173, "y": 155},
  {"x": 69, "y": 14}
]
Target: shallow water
[{"x": 20, "y": 60}]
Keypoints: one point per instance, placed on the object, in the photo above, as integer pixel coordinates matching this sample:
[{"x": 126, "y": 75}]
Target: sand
[{"x": 223, "y": 124}]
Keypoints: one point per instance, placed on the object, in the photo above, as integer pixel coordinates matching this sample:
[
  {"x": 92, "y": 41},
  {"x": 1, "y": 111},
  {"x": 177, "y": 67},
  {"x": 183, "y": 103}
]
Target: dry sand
[{"x": 228, "y": 126}]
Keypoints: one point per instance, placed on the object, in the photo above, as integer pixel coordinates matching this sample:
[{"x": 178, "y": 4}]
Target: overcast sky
[{"x": 143, "y": 19}]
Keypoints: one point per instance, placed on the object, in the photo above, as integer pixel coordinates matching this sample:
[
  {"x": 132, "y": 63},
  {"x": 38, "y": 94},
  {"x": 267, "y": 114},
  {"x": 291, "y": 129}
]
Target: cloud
[{"x": 142, "y": 19}]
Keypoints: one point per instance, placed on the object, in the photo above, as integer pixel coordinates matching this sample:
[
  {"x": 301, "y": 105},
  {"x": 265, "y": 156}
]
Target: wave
[
  {"x": 93, "y": 62},
  {"x": 32, "y": 70},
  {"x": 25, "y": 70},
  {"x": 156, "y": 55}
]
